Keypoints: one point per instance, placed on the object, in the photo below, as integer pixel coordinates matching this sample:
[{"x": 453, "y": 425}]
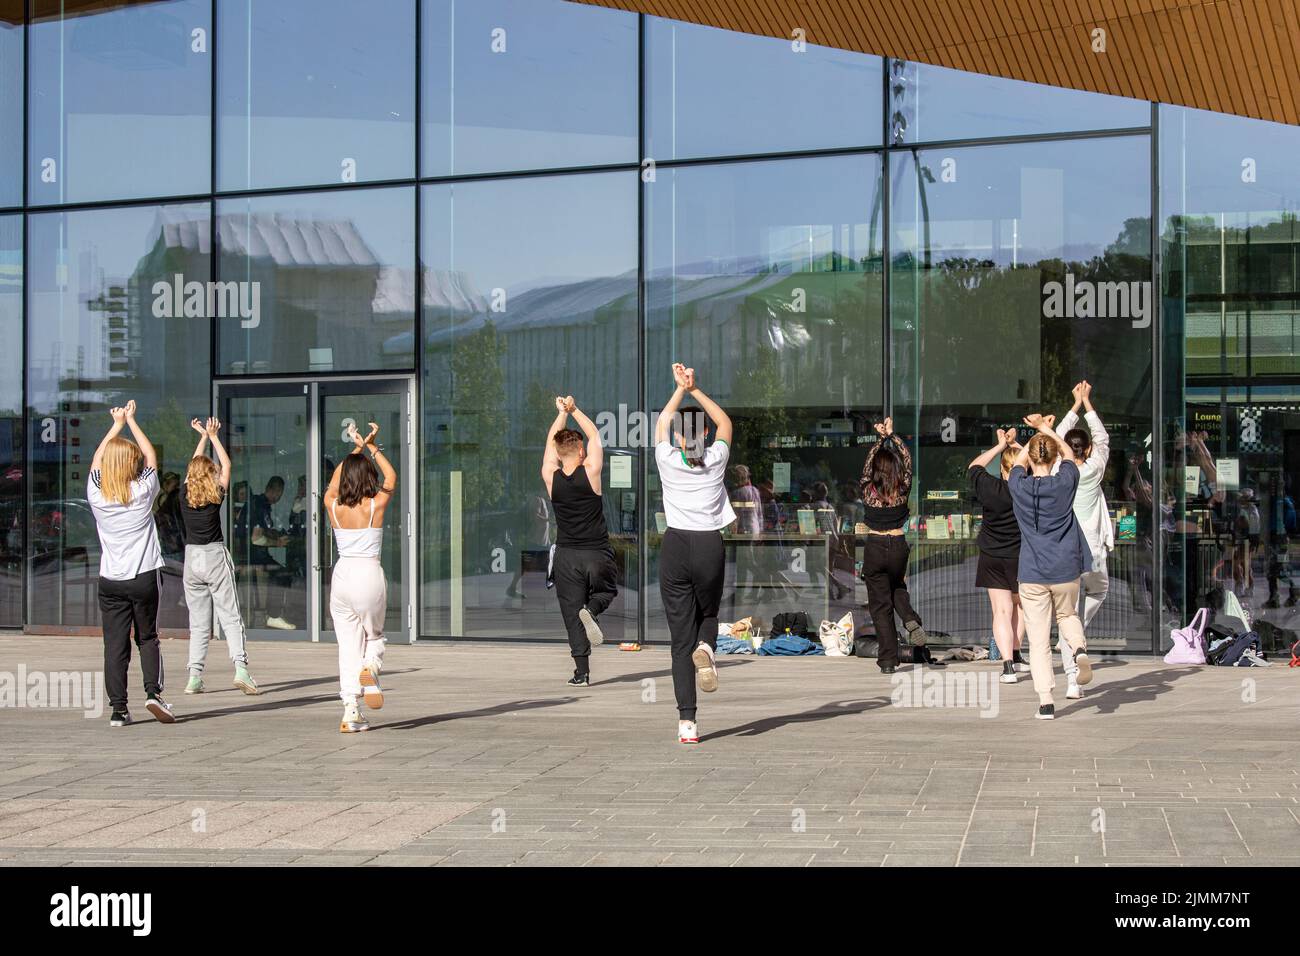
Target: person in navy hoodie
[{"x": 1054, "y": 554}]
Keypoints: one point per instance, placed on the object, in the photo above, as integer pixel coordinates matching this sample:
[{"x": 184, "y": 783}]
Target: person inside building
[{"x": 583, "y": 565}]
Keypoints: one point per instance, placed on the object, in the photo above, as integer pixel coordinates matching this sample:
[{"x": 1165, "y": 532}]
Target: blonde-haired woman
[
  {"x": 356, "y": 500},
  {"x": 998, "y": 571},
  {"x": 209, "y": 572},
  {"x": 121, "y": 490},
  {"x": 1054, "y": 554}
]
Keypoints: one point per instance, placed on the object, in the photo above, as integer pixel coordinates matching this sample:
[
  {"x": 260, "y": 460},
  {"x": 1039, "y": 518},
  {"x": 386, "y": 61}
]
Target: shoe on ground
[
  {"x": 371, "y": 692},
  {"x": 594, "y": 634},
  {"x": 687, "y": 732},
  {"x": 119, "y": 718},
  {"x": 1046, "y": 712},
  {"x": 888, "y": 669},
  {"x": 352, "y": 722},
  {"x": 280, "y": 624},
  {"x": 158, "y": 707},
  {"x": 1085, "y": 667},
  {"x": 1272, "y": 604},
  {"x": 195, "y": 685},
  {"x": 244, "y": 681},
  {"x": 1008, "y": 673},
  {"x": 1292, "y": 600},
  {"x": 579, "y": 680},
  {"x": 706, "y": 668},
  {"x": 1021, "y": 666},
  {"x": 1073, "y": 691},
  {"x": 916, "y": 635}
]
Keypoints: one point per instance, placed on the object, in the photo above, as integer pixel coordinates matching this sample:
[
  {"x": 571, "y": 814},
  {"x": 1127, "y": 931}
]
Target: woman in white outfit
[
  {"x": 356, "y": 500},
  {"x": 1092, "y": 453}
]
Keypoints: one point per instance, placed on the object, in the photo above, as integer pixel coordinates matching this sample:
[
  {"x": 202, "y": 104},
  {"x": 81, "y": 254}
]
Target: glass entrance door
[
  {"x": 285, "y": 438},
  {"x": 387, "y": 404}
]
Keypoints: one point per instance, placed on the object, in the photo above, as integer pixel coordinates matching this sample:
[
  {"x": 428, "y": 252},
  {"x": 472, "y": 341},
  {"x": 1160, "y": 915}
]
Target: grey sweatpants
[{"x": 210, "y": 584}]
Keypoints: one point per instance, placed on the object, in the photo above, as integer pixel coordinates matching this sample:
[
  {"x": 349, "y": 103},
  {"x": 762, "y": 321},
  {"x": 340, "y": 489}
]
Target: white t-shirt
[
  {"x": 128, "y": 537},
  {"x": 694, "y": 498}
]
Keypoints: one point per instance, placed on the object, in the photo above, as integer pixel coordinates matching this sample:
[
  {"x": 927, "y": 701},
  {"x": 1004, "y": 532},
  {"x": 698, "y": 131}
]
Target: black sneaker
[
  {"x": 119, "y": 718},
  {"x": 1272, "y": 603},
  {"x": 1008, "y": 672},
  {"x": 1046, "y": 711},
  {"x": 579, "y": 680},
  {"x": 1291, "y": 601},
  {"x": 887, "y": 669},
  {"x": 916, "y": 634}
]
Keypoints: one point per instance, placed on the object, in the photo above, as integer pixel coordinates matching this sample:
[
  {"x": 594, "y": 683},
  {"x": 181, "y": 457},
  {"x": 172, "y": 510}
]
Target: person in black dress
[{"x": 999, "y": 544}]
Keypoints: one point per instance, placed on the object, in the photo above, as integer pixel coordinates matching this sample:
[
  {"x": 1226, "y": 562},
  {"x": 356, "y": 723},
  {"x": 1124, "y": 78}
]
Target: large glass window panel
[
  {"x": 11, "y": 102},
  {"x": 311, "y": 92},
  {"x": 11, "y": 422},
  {"x": 713, "y": 92},
  {"x": 766, "y": 277},
  {"x": 325, "y": 281},
  {"x": 1017, "y": 271},
  {"x": 103, "y": 328},
  {"x": 931, "y": 103},
  {"x": 529, "y": 292},
  {"x": 1231, "y": 398},
  {"x": 526, "y": 84},
  {"x": 120, "y": 100}
]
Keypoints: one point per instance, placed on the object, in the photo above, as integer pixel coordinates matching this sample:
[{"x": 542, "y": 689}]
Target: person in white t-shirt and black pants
[
  {"x": 692, "y": 561},
  {"x": 122, "y": 487}
]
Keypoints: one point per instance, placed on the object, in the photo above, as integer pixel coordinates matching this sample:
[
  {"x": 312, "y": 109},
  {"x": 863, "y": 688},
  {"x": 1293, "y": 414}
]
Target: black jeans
[
  {"x": 884, "y": 568},
  {"x": 127, "y": 605},
  {"x": 692, "y": 565},
  {"x": 587, "y": 579}
]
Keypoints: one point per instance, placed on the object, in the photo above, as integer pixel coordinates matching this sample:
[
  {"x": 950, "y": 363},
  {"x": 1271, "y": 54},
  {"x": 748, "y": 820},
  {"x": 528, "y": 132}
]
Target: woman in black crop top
[
  {"x": 885, "y": 486},
  {"x": 999, "y": 544}
]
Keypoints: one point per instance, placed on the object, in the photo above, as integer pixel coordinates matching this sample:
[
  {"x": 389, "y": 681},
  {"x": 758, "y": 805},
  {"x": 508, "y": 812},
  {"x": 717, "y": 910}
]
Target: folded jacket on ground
[{"x": 788, "y": 645}]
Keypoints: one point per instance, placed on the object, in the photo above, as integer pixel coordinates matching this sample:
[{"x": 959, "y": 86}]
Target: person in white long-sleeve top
[{"x": 1091, "y": 449}]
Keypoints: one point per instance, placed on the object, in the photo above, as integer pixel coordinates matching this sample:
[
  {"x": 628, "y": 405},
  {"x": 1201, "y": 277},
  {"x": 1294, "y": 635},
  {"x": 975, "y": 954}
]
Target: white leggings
[{"x": 358, "y": 600}]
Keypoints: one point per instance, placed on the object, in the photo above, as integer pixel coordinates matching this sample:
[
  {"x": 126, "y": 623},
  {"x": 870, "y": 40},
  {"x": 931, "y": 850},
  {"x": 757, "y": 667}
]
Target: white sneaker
[
  {"x": 280, "y": 624},
  {"x": 687, "y": 732},
  {"x": 370, "y": 689},
  {"x": 352, "y": 722},
  {"x": 594, "y": 633},
  {"x": 1073, "y": 691},
  {"x": 1085, "y": 667},
  {"x": 706, "y": 668}
]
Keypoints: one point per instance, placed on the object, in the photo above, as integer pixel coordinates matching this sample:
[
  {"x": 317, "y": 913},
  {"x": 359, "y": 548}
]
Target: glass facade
[
  {"x": 303, "y": 215},
  {"x": 118, "y": 100}
]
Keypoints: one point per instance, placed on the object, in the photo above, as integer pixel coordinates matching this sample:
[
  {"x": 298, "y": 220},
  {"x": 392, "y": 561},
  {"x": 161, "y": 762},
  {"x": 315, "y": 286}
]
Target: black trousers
[
  {"x": 125, "y": 606},
  {"x": 884, "y": 567},
  {"x": 691, "y": 569},
  {"x": 583, "y": 578}
]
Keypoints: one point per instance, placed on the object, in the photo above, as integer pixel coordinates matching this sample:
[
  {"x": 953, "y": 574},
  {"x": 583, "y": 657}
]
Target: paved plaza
[{"x": 483, "y": 756}]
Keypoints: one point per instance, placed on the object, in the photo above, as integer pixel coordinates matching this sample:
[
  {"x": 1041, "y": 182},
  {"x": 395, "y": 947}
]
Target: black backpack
[{"x": 791, "y": 622}]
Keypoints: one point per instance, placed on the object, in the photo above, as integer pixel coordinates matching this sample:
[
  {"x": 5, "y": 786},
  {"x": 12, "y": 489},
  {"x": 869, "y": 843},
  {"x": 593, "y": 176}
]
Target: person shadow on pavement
[
  {"x": 1111, "y": 696},
  {"x": 839, "y": 708},
  {"x": 496, "y": 710}
]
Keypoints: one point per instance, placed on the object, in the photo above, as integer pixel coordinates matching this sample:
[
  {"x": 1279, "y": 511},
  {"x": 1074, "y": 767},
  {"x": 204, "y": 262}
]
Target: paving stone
[{"x": 477, "y": 759}]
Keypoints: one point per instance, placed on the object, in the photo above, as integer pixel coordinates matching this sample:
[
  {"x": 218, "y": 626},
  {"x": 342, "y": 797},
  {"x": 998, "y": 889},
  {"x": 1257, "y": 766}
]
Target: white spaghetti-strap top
[{"x": 358, "y": 542}]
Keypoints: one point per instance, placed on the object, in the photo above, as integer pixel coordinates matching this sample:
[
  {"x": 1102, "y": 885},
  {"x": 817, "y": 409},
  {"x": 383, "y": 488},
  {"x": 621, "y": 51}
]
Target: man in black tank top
[{"x": 584, "y": 568}]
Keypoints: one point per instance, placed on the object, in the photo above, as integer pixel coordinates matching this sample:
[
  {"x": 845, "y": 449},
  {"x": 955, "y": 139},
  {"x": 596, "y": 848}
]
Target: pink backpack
[{"x": 1189, "y": 641}]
